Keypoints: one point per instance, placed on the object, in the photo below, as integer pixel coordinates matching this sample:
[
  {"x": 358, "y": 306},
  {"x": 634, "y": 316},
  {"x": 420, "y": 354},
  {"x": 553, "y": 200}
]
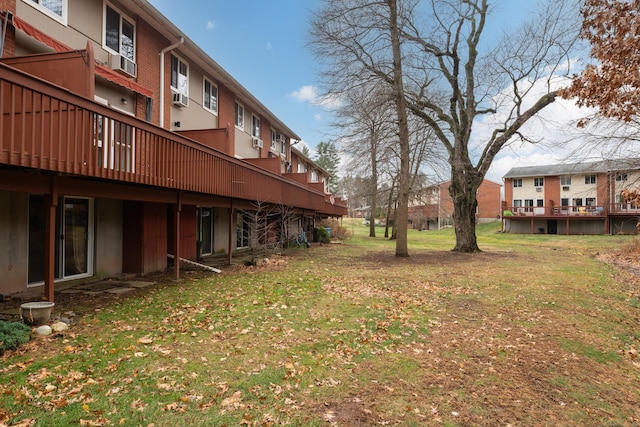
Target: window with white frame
[
  {"x": 565, "y": 180},
  {"x": 564, "y": 202},
  {"x": 517, "y": 183},
  {"x": 255, "y": 126},
  {"x": 589, "y": 179},
  {"x": 621, "y": 176},
  {"x": 210, "y": 96},
  {"x": 283, "y": 145},
  {"x": 119, "y": 33},
  {"x": 590, "y": 201},
  {"x": 528, "y": 203},
  {"x": 314, "y": 176},
  {"x": 179, "y": 76},
  {"x": 517, "y": 203},
  {"x": 56, "y": 9},
  {"x": 538, "y": 182},
  {"x": 302, "y": 167},
  {"x": 239, "y": 116},
  {"x": 274, "y": 143}
]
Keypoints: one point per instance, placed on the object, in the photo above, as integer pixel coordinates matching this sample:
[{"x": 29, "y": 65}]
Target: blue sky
[{"x": 263, "y": 45}]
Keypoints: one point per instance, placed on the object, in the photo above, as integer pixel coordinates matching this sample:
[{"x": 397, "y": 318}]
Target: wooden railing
[
  {"x": 555, "y": 211},
  {"x": 45, "y": 127}
]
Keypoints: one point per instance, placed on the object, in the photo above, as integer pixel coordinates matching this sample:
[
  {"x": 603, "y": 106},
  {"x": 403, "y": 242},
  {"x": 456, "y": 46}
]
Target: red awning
[
  {"x": 101, "y": 70},
  {"x": 32, "y": 31},
  {"x": 121, "y": 80}
]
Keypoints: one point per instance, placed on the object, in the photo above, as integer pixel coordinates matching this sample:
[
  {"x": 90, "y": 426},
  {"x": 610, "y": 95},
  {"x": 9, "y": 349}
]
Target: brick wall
[
  {"x": 149, "y": 43},
  {"x": 10, "y": 38}
]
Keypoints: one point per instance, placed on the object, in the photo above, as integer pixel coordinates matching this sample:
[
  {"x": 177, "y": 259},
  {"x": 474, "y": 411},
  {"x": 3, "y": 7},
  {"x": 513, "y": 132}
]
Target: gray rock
[{"x": 43, "y": 330}]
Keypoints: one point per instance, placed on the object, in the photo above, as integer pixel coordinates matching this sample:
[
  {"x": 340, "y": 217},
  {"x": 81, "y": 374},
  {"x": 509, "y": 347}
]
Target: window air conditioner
[
  {"x": 565, "y": 188},
  {"x": 257, "y": 143},
  {"x": 179, "y": 99},
  {"x": 123, "y": 64},
  {"x": 539, "y": 189}
]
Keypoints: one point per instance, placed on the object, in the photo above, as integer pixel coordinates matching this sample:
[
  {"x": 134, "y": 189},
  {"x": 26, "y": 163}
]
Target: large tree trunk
[
  {"x": 402, "y": 217},
  {"x": 463, "y": 190}
]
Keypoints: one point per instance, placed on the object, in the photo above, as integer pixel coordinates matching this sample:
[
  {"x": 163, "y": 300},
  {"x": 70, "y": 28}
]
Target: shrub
[
  {"x": 13, "y": 335},
  {"x": 323, "y": 235},
  {"x": 337, "y": 231}
]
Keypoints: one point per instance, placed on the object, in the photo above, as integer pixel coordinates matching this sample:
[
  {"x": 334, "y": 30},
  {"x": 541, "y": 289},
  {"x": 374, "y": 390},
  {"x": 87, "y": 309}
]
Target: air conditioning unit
[
  {"x": 539, "y": 189},
  {"x": 123, "y": 64},
  {"x": 565, "y": 188},
  {"x": 257, "y": 143},
  {"x": 179, "y": 99}
]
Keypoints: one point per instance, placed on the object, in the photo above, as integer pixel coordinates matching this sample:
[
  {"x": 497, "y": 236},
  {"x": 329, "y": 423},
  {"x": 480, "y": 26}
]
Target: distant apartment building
[
  {"x": 577, "y": 198},
  {"x": 432, "y": 207}
]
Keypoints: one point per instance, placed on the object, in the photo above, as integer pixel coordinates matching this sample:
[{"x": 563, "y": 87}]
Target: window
[
  {"x": 179, "y": 76},
  {"x": 538, "y": 182},
  {"x": 565, "y": 180},
  {"x": 283, "y": 145},
  {"x": 539, "y": 203},
  {"x": 56, "y": 9},
  {"x": 302, "y": 167},
  {"x": 577, "y": 202},
  {"x": 255, "y": 126},
  {"x": 239, "y": 116},
  {"x": 210, "y": 96},
  {"x": 590, "y": 201},
  {"x": 119, "y": 33},
  {"x": 528, "y": 203},
  {"x": 517, "y": 203},
  {"x": 589, "y": 179},
  {"x": 620, "y": 176},
  {"x": 517, "y": 183},
  {"x": 564, "y": 202},
  {"x": 274, "y": 135},
  {"x": 314, "y": 176}
]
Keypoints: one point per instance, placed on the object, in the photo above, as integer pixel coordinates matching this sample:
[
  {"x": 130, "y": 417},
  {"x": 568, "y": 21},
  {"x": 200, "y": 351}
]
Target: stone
[
  {"x": 59, "y": 327},
  {"x": 43, "y": 330}
]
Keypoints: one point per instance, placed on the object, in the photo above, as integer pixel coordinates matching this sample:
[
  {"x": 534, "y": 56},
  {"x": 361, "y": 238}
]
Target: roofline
[{"x": 308, "y": 159}]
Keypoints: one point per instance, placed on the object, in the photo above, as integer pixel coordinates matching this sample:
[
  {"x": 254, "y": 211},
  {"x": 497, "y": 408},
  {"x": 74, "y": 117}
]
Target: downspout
[
  {"x": 162, "y": 52},
  {"x": 8, "y": 16}
]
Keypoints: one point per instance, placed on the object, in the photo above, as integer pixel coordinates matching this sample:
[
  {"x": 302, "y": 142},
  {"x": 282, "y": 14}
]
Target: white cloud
[
  {"x": 556, "y": 138},
  {"x": 211, "y": 25},
  {"x": 306, "y": 94},
  {"x": 309, "y": 93}
]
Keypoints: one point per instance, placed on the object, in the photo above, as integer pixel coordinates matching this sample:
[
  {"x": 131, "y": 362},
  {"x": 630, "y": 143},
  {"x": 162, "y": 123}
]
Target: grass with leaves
[{"x": 533, "y": 331}]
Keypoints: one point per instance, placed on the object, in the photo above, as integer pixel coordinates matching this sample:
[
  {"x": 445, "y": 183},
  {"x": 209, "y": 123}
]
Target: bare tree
[
  {"x": 361, "y": 42},
  {"x": 433, "y": 56},
  {"x": 366, "y": 126}
]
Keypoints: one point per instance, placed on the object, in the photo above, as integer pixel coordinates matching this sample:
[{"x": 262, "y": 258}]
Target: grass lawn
[{"x": 533, "y": 331}]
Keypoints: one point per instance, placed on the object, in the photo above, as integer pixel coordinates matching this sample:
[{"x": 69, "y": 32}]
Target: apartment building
[
  {"x": 123, "y": 144},
  {"x": 578, "y": 198},
  {"x": 432, "y": 207}
]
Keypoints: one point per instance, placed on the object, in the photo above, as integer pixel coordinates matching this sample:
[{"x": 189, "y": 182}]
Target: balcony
[
  {"x": 47, "y": 128},
  {"x": 556, "y": 212}
]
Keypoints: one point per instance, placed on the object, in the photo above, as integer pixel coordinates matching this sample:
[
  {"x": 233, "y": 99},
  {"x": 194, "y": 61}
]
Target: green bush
[
  {"x": 323, "y": 235},
  {"x": 13, "y": 335}
]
